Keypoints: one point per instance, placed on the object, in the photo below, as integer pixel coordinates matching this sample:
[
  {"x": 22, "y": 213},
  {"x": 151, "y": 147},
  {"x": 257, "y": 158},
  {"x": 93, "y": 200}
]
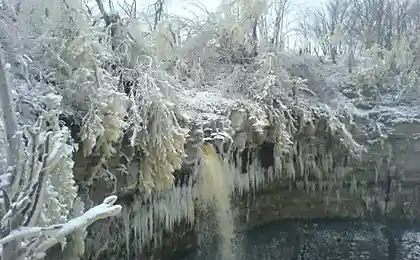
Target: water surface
[{"x": 324, "y": 239}]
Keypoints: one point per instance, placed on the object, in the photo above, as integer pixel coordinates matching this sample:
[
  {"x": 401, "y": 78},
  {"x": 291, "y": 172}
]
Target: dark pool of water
[{"x": 326, "y": 239}]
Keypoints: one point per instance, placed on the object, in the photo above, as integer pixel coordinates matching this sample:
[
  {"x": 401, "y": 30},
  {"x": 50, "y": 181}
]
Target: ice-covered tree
[{"x": 40, "y": 204}]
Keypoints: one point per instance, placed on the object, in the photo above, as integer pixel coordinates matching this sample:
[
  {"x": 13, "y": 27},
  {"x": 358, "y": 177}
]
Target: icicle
[
  {"x": 290, "y": 169},
  {"x": 337, "y": 195},
  {"x": 126, "y": 221},
  {"x": 316, "y": 170},
  {"x": 259, "y": 176},
  {"x": 270, "y": 174},
  {"x": 163, "y": 211},
  {"x": 330, "y": 186},
  {"x": 278, "y": 162},
  {"x": 300, "y": 185},
  {"x": 251, "y": 176},
  {"x": 307, "y": 187},
  {"x": 353, "y": 185},
  {"x": 247, "y": 208},
  {"x": 327, "y": 201}
]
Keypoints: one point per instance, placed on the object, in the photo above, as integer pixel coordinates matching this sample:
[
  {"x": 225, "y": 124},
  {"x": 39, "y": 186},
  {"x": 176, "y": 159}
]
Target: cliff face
[
  {"x": 293, "y": 138},
  {"x": 290, "y": 158}
]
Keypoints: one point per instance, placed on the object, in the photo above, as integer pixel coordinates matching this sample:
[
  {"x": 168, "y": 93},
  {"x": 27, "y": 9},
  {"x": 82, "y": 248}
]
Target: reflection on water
[{"x": 325, "y": 240}]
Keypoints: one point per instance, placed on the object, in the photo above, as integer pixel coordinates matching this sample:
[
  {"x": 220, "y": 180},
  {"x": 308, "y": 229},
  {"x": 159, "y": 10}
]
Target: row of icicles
[
  {"x": 308, "y": 164},
  {"x": 217, "y": 181}
]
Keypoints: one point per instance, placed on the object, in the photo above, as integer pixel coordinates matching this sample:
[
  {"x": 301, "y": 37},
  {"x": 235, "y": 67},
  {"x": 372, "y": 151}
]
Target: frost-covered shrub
[
  {"x": 387, "y": 71},
  {"x": 89, "y": 67},
  {"x": 52, "y": 68},
  {"x": 162, "y": 144},
  {"x": 38, "y": 188}
]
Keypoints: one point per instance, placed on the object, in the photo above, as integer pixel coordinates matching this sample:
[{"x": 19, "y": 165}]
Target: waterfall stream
[{"x": 215, "y": 189}]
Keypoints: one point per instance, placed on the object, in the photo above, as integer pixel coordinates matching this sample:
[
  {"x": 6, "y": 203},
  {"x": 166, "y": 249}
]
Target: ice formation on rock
[{"x": 150, "y": 101}]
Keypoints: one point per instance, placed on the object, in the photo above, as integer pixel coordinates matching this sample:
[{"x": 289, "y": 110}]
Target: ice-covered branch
[
  {"x": 10, "y": 250},
  {"x": 49, "y": 236},
  {"x": 38, "y": 188},
  {"x": 28, "y": 232},
  {"x": 104, "y": 210},
  {"x": 9, "y": 117}
]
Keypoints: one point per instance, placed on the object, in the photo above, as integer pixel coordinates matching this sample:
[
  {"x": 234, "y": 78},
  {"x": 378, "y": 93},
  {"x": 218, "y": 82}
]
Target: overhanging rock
[
  {"x": 291, "y": 155},
  {"x": 295, "y": 138},
  {"x": 280, "y": 153},
  {"x": 311, "y": 151}
]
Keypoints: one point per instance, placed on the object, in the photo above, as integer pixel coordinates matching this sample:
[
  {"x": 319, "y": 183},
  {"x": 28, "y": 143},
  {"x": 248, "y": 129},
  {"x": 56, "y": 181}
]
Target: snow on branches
[
  {"x": 38, "y": 188},
  {"x": 117, "y": 81}
]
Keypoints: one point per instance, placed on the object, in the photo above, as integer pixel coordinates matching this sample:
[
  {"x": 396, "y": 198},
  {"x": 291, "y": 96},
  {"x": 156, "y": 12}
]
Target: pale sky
[
  {"x": 181, "y": 7},
  {"x": 185, "y": 8}
]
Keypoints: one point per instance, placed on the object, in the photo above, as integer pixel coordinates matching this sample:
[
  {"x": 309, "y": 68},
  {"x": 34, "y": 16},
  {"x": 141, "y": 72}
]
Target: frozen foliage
[
  {"x": 38, "y": 190},
  {"x": 374, "y": 43},
  {"x": 88, "y": 80}
]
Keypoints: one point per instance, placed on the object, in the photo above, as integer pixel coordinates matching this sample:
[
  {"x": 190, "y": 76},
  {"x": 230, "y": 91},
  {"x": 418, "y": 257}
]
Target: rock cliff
[
  {"x": 304, "y": 156},
  {"x": 148, "y": 115}
]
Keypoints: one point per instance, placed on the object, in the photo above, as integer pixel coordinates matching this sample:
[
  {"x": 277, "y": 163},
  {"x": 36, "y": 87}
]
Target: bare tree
[
  {"x": 159, "y": 9},
  {"x": 351, "y": 26},
  {"x": 282, "y": 7}
]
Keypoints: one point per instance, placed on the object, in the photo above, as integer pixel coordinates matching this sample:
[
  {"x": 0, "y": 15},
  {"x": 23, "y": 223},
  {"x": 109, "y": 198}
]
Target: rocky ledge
[{"x": 290, "y": 158}]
